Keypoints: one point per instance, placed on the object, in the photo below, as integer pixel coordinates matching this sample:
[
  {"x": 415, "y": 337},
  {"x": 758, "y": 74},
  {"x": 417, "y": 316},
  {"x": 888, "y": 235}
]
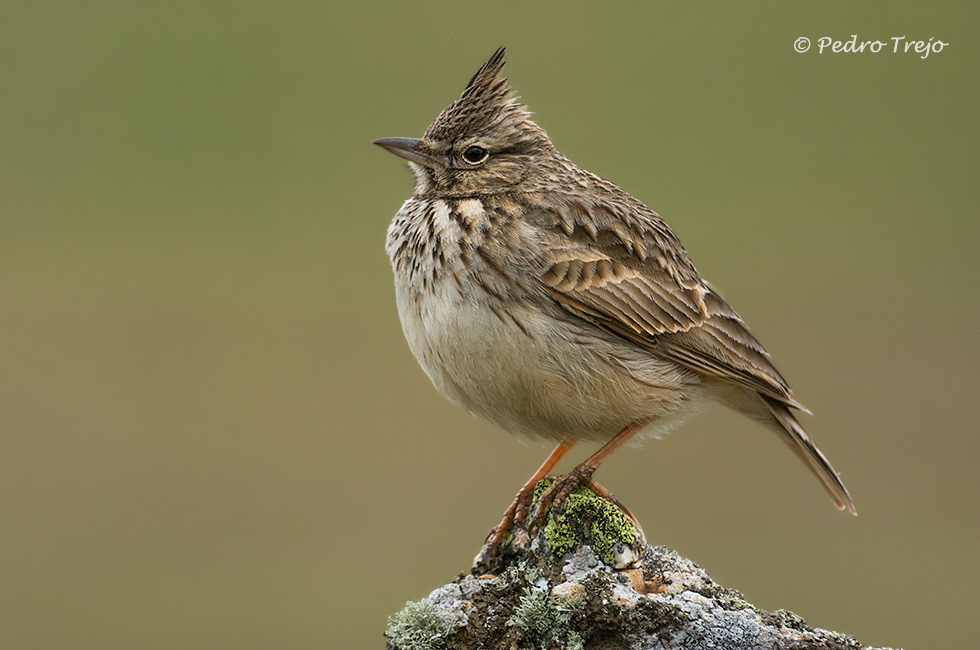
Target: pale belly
[{"x": 549, "y": 378}]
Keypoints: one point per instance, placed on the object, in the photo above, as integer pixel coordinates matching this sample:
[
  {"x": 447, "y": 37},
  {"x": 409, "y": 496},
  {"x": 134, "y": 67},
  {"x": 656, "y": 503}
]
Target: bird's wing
[{"x": 628, "y": 274}]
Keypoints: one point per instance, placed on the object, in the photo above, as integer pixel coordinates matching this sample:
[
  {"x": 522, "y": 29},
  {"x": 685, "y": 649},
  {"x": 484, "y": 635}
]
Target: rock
[{"x": 591, "y": 582}]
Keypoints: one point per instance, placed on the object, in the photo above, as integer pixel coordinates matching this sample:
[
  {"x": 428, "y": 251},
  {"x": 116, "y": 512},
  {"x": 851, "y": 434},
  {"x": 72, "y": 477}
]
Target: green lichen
[
  {"x": 732, "y": 603},
  {"x": 786, "y": 618},
  {"x": 574, "y": 641},
  {"x": 519, "y": 575},
  {"x": 586, "y": 518},
  {"x": 726, "y": 598},
  {"x": 528, "y": 572},
  {"x": 417, "y": 627},
  {"x": 546, "y": 620},
  {"x": 844, "y": 640}
]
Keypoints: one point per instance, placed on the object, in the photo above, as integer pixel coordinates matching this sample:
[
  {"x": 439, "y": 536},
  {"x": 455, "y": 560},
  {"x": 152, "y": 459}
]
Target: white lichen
[{"x": 417, "y": 627}]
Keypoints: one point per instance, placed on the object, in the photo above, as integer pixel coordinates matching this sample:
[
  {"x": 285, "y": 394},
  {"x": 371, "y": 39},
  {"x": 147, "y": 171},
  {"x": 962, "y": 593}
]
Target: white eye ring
[{"x": 475, "y": 155}]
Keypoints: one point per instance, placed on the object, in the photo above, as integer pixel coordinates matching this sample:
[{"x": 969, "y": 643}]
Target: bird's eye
[{"x": 475, "y": 155}]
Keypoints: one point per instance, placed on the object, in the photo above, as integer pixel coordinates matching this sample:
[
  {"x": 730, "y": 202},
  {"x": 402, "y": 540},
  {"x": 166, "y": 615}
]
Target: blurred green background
[{"x": 212, "y": 433}]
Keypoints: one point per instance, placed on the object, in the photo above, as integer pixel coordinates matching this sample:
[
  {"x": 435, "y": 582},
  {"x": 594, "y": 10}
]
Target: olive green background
[{"x": 212, "y": 433}]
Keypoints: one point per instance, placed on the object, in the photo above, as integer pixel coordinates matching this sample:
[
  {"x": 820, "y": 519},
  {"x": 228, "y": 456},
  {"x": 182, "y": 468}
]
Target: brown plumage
[{"x": 556, "y": 305}]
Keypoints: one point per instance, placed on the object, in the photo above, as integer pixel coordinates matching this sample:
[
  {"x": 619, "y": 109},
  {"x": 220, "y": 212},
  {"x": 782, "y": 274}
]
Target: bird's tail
[{"x": 793, "y": 435}]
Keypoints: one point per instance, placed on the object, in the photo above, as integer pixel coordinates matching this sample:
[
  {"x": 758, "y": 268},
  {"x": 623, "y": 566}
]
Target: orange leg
[
  {"x": 558, "y": 491},
  {"x": 518, "y": 509}
]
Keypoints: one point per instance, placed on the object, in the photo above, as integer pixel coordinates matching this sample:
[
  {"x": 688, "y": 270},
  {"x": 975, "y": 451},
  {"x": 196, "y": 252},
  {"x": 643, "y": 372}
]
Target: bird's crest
[{"x": 486, "y": 104}]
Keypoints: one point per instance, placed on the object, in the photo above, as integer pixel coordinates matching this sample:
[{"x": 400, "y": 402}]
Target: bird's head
[{"x": 482, "y": 143}]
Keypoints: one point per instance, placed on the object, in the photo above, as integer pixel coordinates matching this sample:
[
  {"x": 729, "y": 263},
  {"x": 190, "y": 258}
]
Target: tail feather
[{"x": 793, "y": 435}]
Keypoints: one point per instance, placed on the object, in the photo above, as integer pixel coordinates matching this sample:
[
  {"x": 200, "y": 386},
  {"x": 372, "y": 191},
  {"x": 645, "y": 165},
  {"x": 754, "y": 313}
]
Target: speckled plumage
[{"x": 551, "y": 302}]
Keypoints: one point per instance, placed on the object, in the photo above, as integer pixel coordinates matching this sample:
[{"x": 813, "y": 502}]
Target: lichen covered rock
[{"x": 593, "y": 583}]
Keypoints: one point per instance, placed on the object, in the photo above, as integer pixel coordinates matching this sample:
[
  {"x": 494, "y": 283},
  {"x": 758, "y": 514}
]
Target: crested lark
[{"x": 552, "y": 303}]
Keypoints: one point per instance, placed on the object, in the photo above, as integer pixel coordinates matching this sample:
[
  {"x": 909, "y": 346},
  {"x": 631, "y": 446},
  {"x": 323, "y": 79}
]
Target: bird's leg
[
  {"x": 518, "y": 509},
  {"x": 554, "y": 497}
]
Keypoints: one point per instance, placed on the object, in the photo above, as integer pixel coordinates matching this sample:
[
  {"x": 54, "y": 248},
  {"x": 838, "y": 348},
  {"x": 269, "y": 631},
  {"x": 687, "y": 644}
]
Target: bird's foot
[
  {"x": 553, "y": 498},
  {"x": 516, "y": 512}
]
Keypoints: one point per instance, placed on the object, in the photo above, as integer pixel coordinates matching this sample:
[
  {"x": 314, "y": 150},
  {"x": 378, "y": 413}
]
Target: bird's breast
[{"x": 493, "y": 344}]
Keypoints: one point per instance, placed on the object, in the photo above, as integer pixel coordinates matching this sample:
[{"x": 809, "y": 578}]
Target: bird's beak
[{"x": 410, "y": 149}]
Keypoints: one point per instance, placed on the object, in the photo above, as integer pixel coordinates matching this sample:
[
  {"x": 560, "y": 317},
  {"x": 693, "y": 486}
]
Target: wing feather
[{"x": 632, "y": 277}]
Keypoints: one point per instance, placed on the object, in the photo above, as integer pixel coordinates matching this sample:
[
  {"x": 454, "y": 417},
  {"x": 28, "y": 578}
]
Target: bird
[{"x": 550, "y": 302}]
